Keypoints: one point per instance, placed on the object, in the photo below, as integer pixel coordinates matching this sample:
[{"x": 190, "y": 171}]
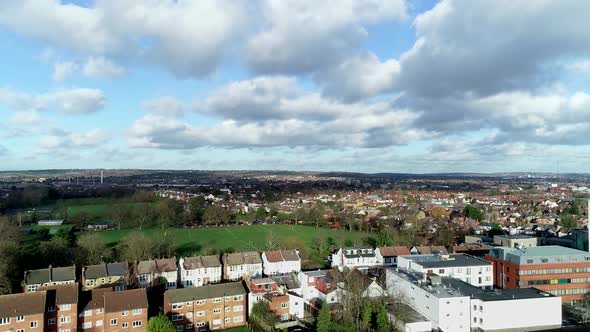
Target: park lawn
[{"x": 192, "y": 241}]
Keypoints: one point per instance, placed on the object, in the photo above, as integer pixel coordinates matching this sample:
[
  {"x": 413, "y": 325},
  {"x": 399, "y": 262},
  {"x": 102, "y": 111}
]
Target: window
[
  {"x": 177, "y": 306},
  {"x": 176, "y": 318},
  {"x": 34, "y": 324},
  {"x": 200, "y": 324},
  {"x": 114, "y": 321},
  {"x": 20, "y": 318},
  {"x": 228, "y": 298},
  {"x": 87, "y": 325},
  {"x": 529, "y": 261},
  {"x": 480, "y": 308},
  {"x": 239, "y": 308},
  {"x": 189, "y": 315},
  {"x": 65, "y": 319},
  {"x": 87, "y": 313},
  {"x": 119, "y": 288},
  {"x": 136, "y": 312},
  {"x": 51, "y": 321},
  {"x": 20, "y": 330},
  {"x": 5, "y": 321},
  {"x": 544, "y": 260},
  {"x": 136, "y": 323},
  {"x": 216, "y": 321},
  {"x": 217, "y": 300},
  {"x": 481, "y": 320},
  {"x": 200, "y": 313},
  {"x": 189, "y": 304},
  {"x": 99, "y": 322},
  {"x": 99, "y": 311},
  {"x": 468, "y": 270},
  {"x": 180, "y": 328},
  {"x": 124, "y": 325},
  {"x": 32, "y": 288},
  {"x": 474, "y": 307},
  {"x": 227, "y": 309},
  {"x": 238, "y": 298},
  {"x": 200, "y": 302},
  {"x": 216, "y": 311},
  {"x": 238, "y": 319},
  {"x": 51, "y": 309},
  {"x": 125, "y": 313},
  {"x": 441, "y": 270},
  {"x": 283, "y": 305},
  {"x": 189, "y": 326},
  {"x": 65, "y": 307},
  {"x": 227, "y": 319},
  {"x": 64, "y": 330}
]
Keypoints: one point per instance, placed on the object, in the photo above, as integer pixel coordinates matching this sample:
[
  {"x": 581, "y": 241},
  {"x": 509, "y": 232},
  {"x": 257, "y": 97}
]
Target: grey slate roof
[
  {"x": 105, "y": 270},
  {"x": 288, "y": 280},
  {"x": 205, "y": 292},
  {"x": 50, "y": 274}
]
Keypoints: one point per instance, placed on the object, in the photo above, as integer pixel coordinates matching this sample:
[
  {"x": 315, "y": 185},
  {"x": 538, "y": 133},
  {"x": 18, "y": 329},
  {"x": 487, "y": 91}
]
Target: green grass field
[{"x": 196, "y": 240}]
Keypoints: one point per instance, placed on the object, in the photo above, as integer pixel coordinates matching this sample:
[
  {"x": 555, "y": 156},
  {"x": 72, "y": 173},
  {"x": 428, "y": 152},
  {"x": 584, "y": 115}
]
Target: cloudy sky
[{"x": 350, "y": 85}]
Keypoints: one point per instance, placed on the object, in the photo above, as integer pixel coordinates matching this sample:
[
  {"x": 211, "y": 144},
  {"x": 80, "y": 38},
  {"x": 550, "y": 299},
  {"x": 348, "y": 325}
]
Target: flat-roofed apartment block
[
  {"x": 200, "y": 270},
  {"x": 106, "y": 275},
  {"x": 51, "y": 276},
  {"x": 557, "y": 270},
  {"x": 210, "y": 307},
  {"x": 473, "y": 270},
  {"x": 453, "y": 305},
  {"x": 153, "y": 272},
  {"x": 281, "y": 262},
  {"x": 61, "y": 307},
  {"x": 239, "y": 265},
  {"x": 516, "y": 240},
  {"x": 126, "y": 310},
  {"x": 23, "y": 312}
]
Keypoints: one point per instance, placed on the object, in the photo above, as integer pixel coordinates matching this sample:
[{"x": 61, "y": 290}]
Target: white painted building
[
  {"x": 357, "y": 257},
  {"x": 318, "y": 285},
  {"x": 453, "y": 305},
  {"x": 200, "y": 270},
  {"x": 239, "y": 265},
  {"x": 150, "y": 273},
  {"x": 387, "y": 256},
  {"x": 277, "y": 262},
  {"x": 472, "y": 270}
]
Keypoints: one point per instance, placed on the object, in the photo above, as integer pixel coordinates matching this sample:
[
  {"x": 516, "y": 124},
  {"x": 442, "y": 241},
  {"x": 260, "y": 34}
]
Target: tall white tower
[{"x": 102, "y": 176}]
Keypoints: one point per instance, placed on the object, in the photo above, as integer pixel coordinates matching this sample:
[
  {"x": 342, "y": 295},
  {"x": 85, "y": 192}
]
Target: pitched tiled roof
[
  {"x": 93, "y": 299},
  {"x": 62, "y": 294},
  {"x": 274, "y": 256},
  {"x": 204, "y": 292},
  {"x": 22, "y": 304},
  {"x": 402, "y": 250},
  {"x": 125, "y": 300},
  {"x": 166, "y": 264},
  {"x": 50, "y": 274},
  {"x": 239, "y": 258},
  {"x": 146, "y": 267},
  {"x": 198, "y": 262}
]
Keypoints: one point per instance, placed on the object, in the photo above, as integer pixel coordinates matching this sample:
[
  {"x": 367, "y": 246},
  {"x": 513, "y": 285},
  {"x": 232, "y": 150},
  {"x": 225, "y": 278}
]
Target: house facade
[
  {"x": 126, "y": 310},
  {"x": 239, "y": 265},
  {"x": 51, "y": 276},
  {"x": 387, "y": 256},
  {"x": 200, "y": 270},
  {"x": 106, "y": 275},
  {"x": 152, "y": 272},
  {"x": 61, "y": 307},
  {"x": 354, "y": 257},
  {"x": 277, "y": 262},
  {"x": 210, "y": 307}
]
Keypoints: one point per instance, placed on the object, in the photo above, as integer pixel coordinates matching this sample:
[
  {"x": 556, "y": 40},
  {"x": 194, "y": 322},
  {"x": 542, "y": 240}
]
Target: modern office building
[
  {"x": 557, "y": 270},
  {"x": 473, "y": 270}
]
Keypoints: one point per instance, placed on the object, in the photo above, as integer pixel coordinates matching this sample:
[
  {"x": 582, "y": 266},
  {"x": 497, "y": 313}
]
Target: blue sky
[{"x": 370, "y": 85}]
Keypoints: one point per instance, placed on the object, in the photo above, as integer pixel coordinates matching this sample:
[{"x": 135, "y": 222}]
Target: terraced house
[
  {"x": 210, "y": 307},
  {"x": 200, "y": 270},
  {"x": 281, "y": 262},
  {"x": 106, "y": 275},
  {"x": 238, "y": 265},
  {"x": 153, "y": 272},
  {"x": 51, "y": 276}
]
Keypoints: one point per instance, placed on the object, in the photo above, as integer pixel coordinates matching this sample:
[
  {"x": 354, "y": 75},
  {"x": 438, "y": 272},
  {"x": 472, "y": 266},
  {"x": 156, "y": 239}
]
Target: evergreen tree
[
  {"x": 367, "y": 315},
  {"x": 324, "y": 323},
  {"x": 160, "y": 323},
  {"x": 383, "y": 319}
]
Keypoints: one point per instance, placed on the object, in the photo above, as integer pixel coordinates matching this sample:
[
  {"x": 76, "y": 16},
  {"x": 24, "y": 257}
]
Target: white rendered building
[
  {"x": 358, "y": 257},
  {"x": 200, "y": 270},
  {"x": 277, "y": 262}
]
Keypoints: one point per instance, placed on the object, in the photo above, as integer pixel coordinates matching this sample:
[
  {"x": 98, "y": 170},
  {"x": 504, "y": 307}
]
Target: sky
[{"x": 352, "y": 85}]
